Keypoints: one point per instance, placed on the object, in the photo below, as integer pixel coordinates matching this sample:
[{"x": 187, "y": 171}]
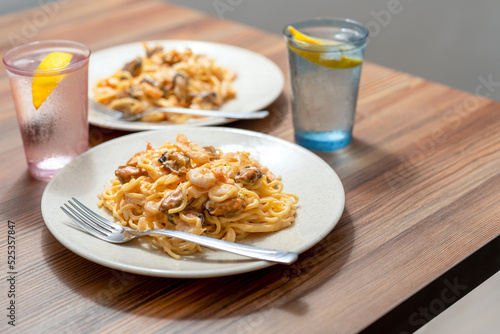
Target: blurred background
[{"x": 454, "y": 42}]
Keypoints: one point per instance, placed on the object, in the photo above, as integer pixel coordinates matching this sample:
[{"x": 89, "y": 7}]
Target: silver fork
[
  {"x": 117, "y": 115},
  {"x": 109, "y": 231}
]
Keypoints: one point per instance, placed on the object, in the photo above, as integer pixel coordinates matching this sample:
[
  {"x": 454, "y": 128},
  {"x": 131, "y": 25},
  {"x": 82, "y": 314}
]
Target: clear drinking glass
[
  {"x": 325, "y": 68},
  {"x": 51, "y": 104}
]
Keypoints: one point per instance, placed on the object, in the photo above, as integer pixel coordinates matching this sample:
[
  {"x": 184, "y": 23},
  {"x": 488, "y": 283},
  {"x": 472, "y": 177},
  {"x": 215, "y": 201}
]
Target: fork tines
[
  {"x": 89, "y": 220},
  {"x": 105, "y": 110}
]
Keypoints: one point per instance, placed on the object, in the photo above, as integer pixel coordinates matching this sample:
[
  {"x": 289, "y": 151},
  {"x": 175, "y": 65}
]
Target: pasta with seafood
[
  {"x": 166, "y": 79},
  {"x": 201, "y": 190}
]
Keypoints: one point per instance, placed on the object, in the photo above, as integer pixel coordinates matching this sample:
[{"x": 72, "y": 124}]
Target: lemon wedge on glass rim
[
  {"x": 43, "y": 84},
  {"x": 315, "y": 56}
]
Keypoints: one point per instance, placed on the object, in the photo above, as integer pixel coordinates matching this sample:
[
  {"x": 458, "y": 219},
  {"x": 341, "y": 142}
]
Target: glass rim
[
  {"x": 325, "y": 47},
  {"x": 47, "y": 72}
]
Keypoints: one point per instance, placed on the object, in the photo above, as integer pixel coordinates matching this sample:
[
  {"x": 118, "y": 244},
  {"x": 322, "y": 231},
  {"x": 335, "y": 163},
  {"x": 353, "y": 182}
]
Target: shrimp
[
  {"x": 151, "y": 90},
  {"x": 222, "y": 191},
  {"x": 242, "y": 158},
  {"x": 151, "y": 208},
  {"x": 194, "y": 151},
  {"x": 201, "y": 177}
]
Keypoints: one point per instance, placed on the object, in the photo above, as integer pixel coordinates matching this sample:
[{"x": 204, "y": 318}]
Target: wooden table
[{"x": 421, "y": 180}]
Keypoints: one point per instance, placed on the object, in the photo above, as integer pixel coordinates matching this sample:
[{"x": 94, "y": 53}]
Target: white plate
[
  {"x": 259, "y": 80},
  {"x": 320, "y": 191}
]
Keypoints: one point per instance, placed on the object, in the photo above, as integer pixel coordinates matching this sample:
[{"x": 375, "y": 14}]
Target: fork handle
[
  {"x": 248, "y": 251},
  {"x": 212, "y": 113}
]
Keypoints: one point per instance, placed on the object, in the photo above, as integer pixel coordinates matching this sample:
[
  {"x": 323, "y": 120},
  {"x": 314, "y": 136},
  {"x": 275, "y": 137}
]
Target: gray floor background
[{"x": 454, "y": 42}]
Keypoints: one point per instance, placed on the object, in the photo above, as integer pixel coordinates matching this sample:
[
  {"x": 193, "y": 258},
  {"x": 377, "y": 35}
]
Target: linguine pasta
[
  {"x": 166, "y": 79},
  {"x": 201, "y": 190}
]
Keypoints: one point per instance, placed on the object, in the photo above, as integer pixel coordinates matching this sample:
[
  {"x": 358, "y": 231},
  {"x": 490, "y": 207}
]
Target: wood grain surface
[{"x": 421, "y": 180}]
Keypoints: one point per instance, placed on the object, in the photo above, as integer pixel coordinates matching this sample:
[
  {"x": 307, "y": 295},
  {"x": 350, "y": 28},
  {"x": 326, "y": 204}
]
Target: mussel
[
  {"x": 249, "y": 175},
  {"x": 175, "y": 162},
  {"x": 228, "y": 208}
]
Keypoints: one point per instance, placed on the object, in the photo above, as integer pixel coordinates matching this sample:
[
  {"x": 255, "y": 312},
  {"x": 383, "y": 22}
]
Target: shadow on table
[
  {"x": 364, "y": 165},
  {"x": 237, "y": 296}
]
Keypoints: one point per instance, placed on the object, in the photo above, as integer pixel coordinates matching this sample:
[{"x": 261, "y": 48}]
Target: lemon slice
[
  {"x": 42, "y": 86},
  {"x": 317, "y": 57},
  {"x": 297, "y": 35}
]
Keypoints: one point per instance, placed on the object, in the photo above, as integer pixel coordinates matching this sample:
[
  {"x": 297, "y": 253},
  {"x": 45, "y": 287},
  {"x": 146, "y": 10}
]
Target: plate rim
[
  {"x": 96, "y": 120},
  {"x": 252, "y": 264}
]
